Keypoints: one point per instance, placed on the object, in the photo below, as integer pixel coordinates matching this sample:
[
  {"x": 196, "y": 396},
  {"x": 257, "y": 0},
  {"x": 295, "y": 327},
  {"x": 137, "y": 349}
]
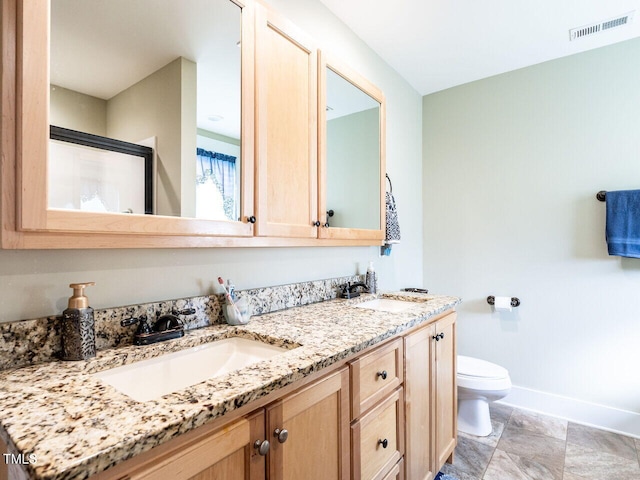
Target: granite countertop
[{"x": 77, "y": 426}]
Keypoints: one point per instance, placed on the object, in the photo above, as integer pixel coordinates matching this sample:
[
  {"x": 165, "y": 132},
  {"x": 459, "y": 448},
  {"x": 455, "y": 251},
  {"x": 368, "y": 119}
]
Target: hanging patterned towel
[{"x": 393, "y": 227}]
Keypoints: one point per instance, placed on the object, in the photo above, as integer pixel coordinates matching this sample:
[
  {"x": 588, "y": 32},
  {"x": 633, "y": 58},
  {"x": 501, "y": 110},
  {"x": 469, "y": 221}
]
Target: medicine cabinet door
[
  {"x": 286, "y": 136},
  {"x": 351, "y": 154},
  {"x": 177, "y": 80}
]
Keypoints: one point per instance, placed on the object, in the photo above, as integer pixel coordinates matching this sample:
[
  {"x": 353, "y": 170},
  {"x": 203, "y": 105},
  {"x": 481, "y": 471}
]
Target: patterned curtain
[{"x": 219, "y": 169}]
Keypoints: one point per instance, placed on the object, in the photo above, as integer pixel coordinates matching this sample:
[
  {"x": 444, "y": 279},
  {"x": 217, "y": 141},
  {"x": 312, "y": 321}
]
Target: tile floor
[{"x": 529, "y": 446}]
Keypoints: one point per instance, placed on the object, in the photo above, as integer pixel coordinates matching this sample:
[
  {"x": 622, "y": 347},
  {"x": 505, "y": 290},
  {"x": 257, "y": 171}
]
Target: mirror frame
[
  {"x": 32, "y": 137},
  {"x": 325, "y": 61}
]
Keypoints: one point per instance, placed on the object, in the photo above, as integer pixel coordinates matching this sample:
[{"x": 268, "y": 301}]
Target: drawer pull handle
[
  {"x": 262, "y": 447},
  {"x": 382, "y": 374},
  {"x": 281, "y": 435},
  {"x": 384, "y": 443}
]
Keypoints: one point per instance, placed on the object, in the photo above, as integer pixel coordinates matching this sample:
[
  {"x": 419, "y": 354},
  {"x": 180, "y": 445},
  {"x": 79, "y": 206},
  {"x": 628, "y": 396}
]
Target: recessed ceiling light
[{"x": 215, "y": 118}]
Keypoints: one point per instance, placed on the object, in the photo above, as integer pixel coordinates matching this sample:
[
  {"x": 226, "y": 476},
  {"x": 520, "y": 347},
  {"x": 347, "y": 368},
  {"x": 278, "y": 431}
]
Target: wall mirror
[
  {"x": 353, "y": 147},
  {"x": 175, "y": 77},
  {"x": 166, "y": 76}
]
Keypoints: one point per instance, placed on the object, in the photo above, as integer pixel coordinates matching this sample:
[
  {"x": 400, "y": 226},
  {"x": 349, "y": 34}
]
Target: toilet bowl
[{"x": 479, "y": 382}]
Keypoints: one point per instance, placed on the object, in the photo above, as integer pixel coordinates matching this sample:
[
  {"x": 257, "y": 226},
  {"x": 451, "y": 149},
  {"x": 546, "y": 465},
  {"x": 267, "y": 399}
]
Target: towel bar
[{"x": 601, "y": 195}]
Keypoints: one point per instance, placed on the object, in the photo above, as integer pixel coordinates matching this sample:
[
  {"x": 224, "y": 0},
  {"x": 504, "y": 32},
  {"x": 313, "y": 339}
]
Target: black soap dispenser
[{"x": 77, "y": 332}]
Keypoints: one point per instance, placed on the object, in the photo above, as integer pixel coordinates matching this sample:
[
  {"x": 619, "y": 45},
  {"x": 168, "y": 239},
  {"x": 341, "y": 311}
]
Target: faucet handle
[
  {"x": 129, "y": 321},
  {"x": 143, "y": 326}
]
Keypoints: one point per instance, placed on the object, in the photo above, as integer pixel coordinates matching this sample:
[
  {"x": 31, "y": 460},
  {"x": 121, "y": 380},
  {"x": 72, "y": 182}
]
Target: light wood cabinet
[
  {"x": 375, "y": 375},
  {"x": 286, "y": 133},
  {"x": 225, "y": 453},
  {"x": 316, "y": 420},
  {"x": 430, "y": 398},
  {"x": 351, "y": 153},
  {"x": 418, "y": 352},
  {"x": 445, "y": 390},
  {"x": 397, "y": 472},
  {"x": 307, "y": 433},
  {"x": 282, "y": 180},
  {"x": 378, "y": 438}
]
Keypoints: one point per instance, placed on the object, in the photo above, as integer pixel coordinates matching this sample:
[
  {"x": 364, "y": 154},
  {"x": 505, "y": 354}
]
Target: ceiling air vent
[{"x": 588, "y": 30}]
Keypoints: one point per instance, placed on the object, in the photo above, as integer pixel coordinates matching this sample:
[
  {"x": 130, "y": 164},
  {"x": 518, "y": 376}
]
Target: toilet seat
[
  {"x": 474, "y": 367},
  {"x": 476, "y": 374}
]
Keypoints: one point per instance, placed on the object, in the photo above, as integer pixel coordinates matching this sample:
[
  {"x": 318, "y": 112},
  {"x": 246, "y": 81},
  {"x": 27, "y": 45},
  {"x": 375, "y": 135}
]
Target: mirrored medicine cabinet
[
  {"x": 351, "y": 138},
  {"x": 176, "y": 79},
  {"x": 179, "y": 82}
]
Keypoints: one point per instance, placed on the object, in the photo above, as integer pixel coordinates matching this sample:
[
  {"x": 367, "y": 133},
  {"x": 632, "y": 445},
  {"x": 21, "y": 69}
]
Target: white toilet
[{"x": 479, "y": 382}]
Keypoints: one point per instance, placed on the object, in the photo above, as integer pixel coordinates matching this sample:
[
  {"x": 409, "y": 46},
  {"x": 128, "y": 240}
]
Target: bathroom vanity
[{"x": 357, "y": 393}]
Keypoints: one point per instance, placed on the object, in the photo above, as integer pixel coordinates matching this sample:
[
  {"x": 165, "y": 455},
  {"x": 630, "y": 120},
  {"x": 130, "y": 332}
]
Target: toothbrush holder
[{"x": 231, "y": 315}]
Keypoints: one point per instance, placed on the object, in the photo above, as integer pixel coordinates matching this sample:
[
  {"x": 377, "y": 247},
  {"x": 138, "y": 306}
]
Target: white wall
[
  {"x": 35, "y": 283},
  {"x": 512, "y": 165}
]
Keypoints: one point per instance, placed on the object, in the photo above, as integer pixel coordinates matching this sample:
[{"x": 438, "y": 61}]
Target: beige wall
[
  {"x": 163, "y": 105},
  {"x": 77, "y": 111},
  {"x": 512, "y": 165},
  {"x": 35, "y": 283}
]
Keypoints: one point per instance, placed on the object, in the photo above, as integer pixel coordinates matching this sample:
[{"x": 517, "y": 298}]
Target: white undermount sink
[
  {"x": 390, "y": 305},
  {"x": 155, "y": 377}
]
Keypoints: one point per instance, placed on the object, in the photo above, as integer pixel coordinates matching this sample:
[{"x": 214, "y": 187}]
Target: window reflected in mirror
[
  {"x": 167, "y": 78},
  {"x": 353, "y": 155}
]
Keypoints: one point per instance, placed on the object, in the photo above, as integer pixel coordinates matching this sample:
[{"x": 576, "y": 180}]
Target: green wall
[{"x": 512, "y": 165}]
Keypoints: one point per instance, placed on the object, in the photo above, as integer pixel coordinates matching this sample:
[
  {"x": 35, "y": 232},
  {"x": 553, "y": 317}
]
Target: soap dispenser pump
[{"x": 77, "y": 332}]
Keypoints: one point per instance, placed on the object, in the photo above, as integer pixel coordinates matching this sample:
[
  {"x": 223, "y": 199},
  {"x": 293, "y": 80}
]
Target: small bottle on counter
[
  {"x": 371, "y": 279},
  {"x": 77, "y": 327}
]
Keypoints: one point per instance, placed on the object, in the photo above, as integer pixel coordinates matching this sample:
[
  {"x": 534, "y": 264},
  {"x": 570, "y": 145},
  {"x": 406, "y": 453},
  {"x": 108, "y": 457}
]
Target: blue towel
[{"x": 623, "y": 223}]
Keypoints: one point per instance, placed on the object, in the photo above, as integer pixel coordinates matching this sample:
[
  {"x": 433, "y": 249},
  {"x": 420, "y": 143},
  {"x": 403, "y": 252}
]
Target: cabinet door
[
  {"x": 316, "y": 420},
  {"x": 418, "y": 348},
  {"x": 286, "y": 132},
  {"x": 446, "y": 397},
  {"x": 222, "y": 454}
]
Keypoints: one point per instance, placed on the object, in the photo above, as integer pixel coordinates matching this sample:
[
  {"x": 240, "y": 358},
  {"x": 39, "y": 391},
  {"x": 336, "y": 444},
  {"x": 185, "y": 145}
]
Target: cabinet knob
[
  {"x": 438, "y": 337},
  {"x": 316, "y": 223},
  {"x": 281, "y": 435},
  {"x": 384, "y": 443},
  {"x": 382, "y": 374},
  {"x": 326, "y": 225},
  {"x": 251, "y": 219},
  {"x": 262, "y": 447}
]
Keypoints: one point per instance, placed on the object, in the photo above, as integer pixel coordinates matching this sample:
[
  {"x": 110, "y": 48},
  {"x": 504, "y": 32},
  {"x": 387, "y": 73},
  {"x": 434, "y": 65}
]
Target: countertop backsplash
[{"x": 29, "y": 342}]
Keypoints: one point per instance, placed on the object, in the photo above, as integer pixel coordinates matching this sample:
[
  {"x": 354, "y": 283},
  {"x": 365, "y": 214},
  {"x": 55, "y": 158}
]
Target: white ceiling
[
  {"x": 438, "y": 44},
  {"x": 100, "y": 48}
]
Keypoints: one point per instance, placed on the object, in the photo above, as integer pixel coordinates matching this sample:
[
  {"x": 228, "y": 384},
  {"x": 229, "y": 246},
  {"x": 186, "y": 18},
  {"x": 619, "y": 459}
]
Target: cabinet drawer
[
  {"x": 378, "y": 439},
  {"x": 397, "y": 472},
  {"x": 374, "y": 376}
]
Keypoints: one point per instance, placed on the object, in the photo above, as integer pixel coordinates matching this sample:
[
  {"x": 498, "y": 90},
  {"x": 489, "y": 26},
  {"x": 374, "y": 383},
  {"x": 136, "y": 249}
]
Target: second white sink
[
  {"x": 155, "y": 377},
  {"x": 386, "y": 305}
]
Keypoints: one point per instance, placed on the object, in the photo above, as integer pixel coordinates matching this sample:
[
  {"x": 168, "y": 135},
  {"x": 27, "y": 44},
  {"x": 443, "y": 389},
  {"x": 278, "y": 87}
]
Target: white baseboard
[{"x": 606, "y": 418}]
